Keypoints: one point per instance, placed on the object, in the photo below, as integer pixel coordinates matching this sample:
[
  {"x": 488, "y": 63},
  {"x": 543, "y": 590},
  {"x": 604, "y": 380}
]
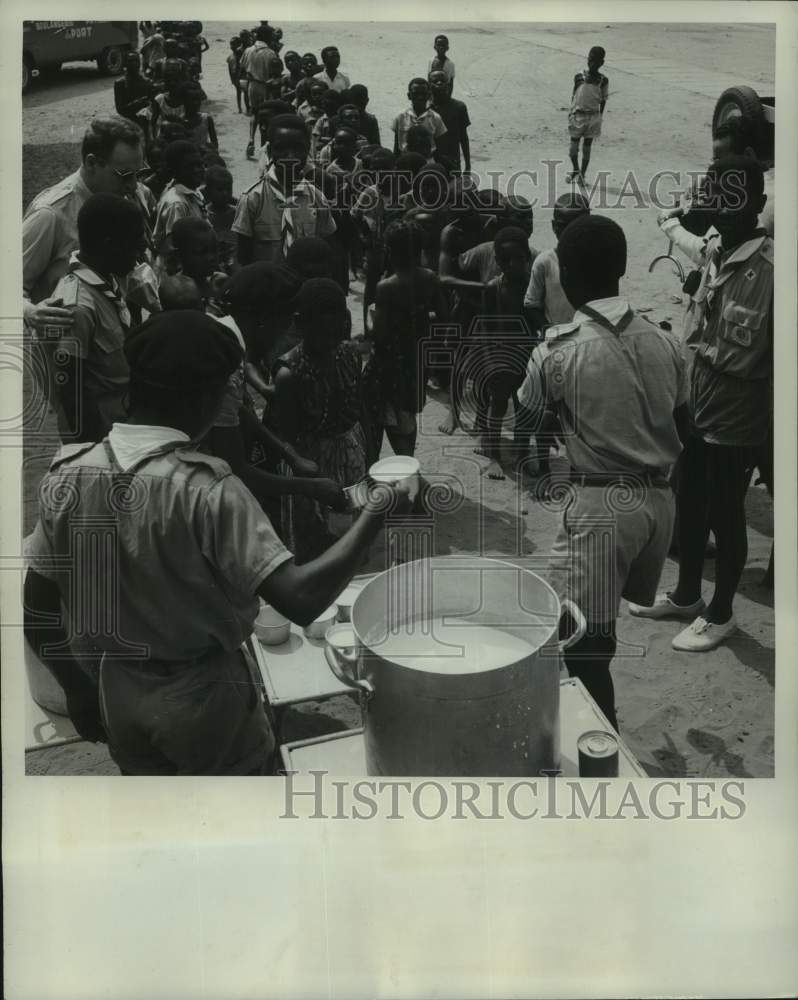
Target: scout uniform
[
  {"x": 584, "y": 118},
  {"x": 97, "y": 338},
  {"x": 185, "y": 548},
  {"x": 614, "y": 380},
  {"x": 273, "y": 220},
  {"x": 730, "y": 343}
]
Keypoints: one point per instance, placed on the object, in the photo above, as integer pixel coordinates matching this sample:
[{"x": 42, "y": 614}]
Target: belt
[{"x": 634, "y": 480}]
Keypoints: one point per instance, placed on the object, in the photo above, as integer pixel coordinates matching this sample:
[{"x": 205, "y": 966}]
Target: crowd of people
[{"x": 201, "y": 343}]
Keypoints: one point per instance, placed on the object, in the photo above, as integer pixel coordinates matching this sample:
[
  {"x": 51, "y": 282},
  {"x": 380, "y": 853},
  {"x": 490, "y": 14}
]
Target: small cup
[{"x": 319, "y": 626}]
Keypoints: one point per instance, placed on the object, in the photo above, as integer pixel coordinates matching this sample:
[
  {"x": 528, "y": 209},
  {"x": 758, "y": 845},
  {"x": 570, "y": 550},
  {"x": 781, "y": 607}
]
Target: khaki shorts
[
  {"x": 257, "y": 93},
  {"x": 612, "y": 543},
  {"x": 200, "y": 717}
]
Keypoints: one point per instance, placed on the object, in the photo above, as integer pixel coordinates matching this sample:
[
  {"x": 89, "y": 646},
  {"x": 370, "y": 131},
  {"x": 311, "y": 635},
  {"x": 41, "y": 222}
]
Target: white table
[{"x": 344, "y": 755}]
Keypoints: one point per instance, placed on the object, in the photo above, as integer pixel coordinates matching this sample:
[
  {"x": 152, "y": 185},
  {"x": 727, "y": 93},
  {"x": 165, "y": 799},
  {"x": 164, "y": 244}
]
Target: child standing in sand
[{"x": 588, "y": 99}]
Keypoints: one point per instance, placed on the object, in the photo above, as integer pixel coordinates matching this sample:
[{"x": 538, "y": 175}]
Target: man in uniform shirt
[
  {"x": 89, "y": 394},
  {"x": 283, "y": 205},
  {"x": 616, "y": 382},
  {"x": 331, "y": 60},
  {"x": 730, "y": 346},
  {"x": 259, "y": 63},
  {"x": 178, "y": 593},
  {"x": 111, "y": 161}
]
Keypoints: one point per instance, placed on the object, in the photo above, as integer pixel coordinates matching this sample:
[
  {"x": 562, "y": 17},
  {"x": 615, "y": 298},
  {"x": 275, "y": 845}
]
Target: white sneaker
[
  {"x": 664, "y": 607},
  {"x": 702, "y": 635}
]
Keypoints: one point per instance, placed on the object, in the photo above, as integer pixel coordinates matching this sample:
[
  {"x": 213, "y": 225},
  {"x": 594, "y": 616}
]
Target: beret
[{"x": 182, "y": 349}]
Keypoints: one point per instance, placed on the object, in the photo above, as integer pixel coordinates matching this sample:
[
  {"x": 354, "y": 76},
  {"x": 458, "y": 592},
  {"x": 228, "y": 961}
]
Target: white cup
[{"x": 395, "y": 469}]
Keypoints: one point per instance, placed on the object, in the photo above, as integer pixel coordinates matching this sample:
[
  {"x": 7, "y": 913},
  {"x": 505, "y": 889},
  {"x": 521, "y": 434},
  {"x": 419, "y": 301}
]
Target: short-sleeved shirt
[
  {"x": 260, "y": 217},
  {"x": 545, "y": 291},
  {"x": 454, "y": 115},
  {"x": 260, "y": 62},
  {"x": 97, "y": 337},
  {"x": 339, "y": 82},
  {"x": 447, "y": 67},
  {"x": 430, "y": 119},
  {"x": 589, "y": 92},
  {"x": 191, "y": 546},
  {"x": 730, "y": 344},
  {"x": 50, "y": 234},
  {"x": 614, "y": 385},
  {"x": 177, "y": 202}
]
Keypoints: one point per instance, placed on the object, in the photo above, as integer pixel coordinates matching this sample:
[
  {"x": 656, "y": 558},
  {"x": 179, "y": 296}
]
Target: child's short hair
[
  {"x": 273, "y": 107},
  {"x": 177, "y": 151},
  {"x": 510, "y": 236},
  {"x": 310, "y": 253},
  {"x": 741, "y": 133},
  {"x": 595, "y": 246},
  {"x": 320, "y": 295},
  {"x": 405, "y": 242},
  {"x": 331, "y": 99},
  {"x": 441, "y": 38},
  {"x": 293, "y": 122},
  {"x": 104, "y": 217},
  {"x": 216, "y": 174},
  {"x": 359, "y": 94},
  {"x": 178, "y": 291},
  {"x": 186, "y": 231},
  {"x": 410, "y": 163},
  {"x": 261, "y": 286},
  {"x": 596, "y": 51},
  {"x": 326, "y": 49},
  {"x": 417, "y": 80}
]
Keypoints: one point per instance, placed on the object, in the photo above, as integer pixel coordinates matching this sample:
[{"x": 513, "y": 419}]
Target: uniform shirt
[
  {"x": 730, "y": 344},
  {"x": 192, "y": 546},
  {"x": 454, "y": 115},
  {"x": 614, "y": 388},
  {"x": 259, "y": 215},
  {"x": 258, "y": 62},
  {"x": 97, "y": 337},
  {"x": 545, "y": 291},
  {"x": 50, "y": 234},
  {"x": 589, "y": 93},
  {"x": 177, "y": 202},
  {"x": 430, "y": 119},
  {"x": 447, "y": 67},
  {"x": 339, "y": 82}
]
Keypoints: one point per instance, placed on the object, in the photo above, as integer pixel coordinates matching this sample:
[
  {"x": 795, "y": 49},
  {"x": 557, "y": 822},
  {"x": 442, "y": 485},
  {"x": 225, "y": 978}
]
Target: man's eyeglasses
[{"x": 130, "y": 175}]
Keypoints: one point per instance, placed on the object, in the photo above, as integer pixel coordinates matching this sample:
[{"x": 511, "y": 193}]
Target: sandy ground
[{"x": 707, "y": 715}]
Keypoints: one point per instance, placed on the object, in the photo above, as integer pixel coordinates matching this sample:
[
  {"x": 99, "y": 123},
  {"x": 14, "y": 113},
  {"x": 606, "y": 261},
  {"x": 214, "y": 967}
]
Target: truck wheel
[
  {"x": 737, "y": 102},
  {"x": 111, "y": 61},
  {"x": 27, "y": 73}
]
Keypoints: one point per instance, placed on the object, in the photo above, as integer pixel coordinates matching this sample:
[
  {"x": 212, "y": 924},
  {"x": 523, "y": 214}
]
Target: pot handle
[
  {"x": 338, "y": 663},
  {"x": 581, "y": 625}
]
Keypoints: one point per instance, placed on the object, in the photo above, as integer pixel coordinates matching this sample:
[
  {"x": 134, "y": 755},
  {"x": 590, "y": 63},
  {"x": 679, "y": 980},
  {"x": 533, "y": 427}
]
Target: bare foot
[
  {"x": 449, "y": 425},
  {"x": 494, "y": 470},
  {"x": 481, "y": 449}
]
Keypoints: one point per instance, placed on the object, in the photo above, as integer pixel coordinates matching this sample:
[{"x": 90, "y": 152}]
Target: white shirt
[{"x": 545, "y": 291}]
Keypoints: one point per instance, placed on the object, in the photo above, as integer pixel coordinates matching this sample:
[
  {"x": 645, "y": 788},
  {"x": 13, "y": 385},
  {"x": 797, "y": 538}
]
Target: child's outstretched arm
[{"x": 212, "y": 133}]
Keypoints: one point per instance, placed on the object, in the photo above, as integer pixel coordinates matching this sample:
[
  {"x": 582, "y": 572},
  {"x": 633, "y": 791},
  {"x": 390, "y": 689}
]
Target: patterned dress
[{"x": 331, "y": 435}]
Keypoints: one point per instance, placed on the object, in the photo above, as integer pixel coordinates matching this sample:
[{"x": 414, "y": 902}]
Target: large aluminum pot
[{"x": 497, "y": 717}]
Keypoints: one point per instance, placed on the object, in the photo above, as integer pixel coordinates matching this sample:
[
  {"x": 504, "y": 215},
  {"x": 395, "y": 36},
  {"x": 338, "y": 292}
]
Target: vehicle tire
[
  {"x": 111, "y": 61},
  {"x": 737, "y": 102},
  {"x": 27, "y": 73}
]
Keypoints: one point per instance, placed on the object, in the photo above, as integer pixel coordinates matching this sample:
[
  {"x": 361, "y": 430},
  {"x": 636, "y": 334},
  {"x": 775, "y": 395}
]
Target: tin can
[{"x": 598, "y": 754}]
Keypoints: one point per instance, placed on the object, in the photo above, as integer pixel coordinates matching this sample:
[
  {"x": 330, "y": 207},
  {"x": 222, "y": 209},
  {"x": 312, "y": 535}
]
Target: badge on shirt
[{"x": 750, "y": 274}]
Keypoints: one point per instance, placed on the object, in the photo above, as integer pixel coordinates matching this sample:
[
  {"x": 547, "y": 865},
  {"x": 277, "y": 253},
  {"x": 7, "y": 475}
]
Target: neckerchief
[
  {"x": 110, "y": 290},
  {"x": 286, "y": 202}
]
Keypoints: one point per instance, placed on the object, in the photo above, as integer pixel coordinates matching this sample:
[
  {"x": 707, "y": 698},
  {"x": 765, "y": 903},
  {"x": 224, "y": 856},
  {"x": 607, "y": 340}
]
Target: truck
[{"x": 47, "y": 45}]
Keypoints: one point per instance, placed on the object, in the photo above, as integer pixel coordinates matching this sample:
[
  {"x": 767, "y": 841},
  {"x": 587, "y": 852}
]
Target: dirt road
[{"x": 682, "y": 716}]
